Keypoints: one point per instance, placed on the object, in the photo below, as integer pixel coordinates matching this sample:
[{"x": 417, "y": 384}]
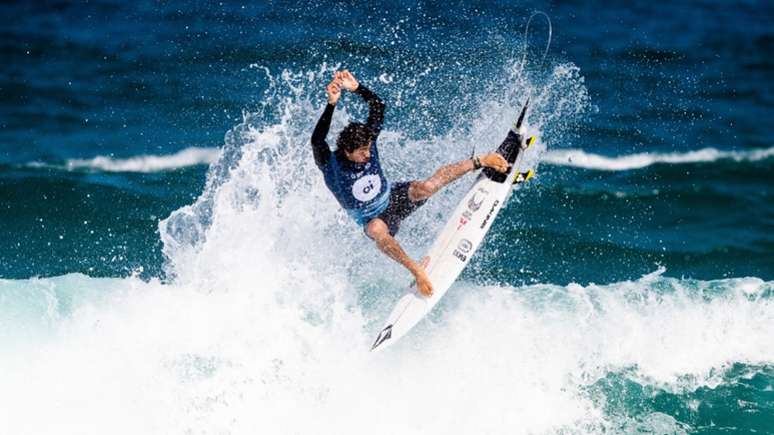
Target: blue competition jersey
[{"x": 360, "y": 188}]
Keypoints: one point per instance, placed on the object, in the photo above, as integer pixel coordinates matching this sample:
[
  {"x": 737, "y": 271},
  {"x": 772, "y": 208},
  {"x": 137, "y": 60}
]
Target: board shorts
[{"x": 400, "y": 207}]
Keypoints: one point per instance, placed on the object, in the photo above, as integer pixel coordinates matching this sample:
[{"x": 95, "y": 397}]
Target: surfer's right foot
[{"x": 423, "y": 283}]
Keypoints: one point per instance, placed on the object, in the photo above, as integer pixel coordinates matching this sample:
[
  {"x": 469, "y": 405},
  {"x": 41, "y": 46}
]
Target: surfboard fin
[{"x": 523, "y": 177}]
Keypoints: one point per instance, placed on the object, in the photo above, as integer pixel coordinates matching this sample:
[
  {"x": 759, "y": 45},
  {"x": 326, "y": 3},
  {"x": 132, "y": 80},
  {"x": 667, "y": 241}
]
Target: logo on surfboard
[
  {"x": 473, "y": 206},
  {"x": 463, "y": 247},
  {"x": 489, "y": 215}
]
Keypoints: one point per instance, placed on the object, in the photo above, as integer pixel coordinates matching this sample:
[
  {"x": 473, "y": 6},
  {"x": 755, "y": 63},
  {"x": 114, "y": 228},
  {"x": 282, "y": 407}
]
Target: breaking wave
[
  {"x": 192, "y": 156},
  {"x": 581, "y": 159}
]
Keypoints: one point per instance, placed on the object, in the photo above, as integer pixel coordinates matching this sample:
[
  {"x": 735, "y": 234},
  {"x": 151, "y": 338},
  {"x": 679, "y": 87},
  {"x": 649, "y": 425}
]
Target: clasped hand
[{"x": 341, "y": 79}]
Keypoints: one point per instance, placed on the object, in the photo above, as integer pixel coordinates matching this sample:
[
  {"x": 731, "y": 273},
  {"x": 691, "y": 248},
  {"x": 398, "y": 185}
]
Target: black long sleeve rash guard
[{"x": 320, "y": 148}]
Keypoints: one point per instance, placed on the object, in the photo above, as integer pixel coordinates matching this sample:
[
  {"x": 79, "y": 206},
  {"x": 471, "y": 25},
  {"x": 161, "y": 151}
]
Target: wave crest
[
  {"x": 578, "y": 158},
  {"x": 191, "y": 156}
]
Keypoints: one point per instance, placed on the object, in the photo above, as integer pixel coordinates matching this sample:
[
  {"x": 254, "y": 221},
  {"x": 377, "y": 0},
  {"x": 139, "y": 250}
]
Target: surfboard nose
[
  {"x": 383, "y": 336},
  {"x": 518, "y": 126}
]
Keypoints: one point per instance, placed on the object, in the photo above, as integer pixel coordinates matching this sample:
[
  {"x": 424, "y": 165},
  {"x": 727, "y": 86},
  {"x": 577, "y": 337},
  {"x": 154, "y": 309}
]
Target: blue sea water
[{"x": 172, "y": 262}]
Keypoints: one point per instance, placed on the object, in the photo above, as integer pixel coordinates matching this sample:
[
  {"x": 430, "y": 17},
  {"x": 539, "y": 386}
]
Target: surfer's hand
[
  {"x": 334, "y": 91},
  {"x": 494, "y": 161},
  {"x": 348, "y": 81}
]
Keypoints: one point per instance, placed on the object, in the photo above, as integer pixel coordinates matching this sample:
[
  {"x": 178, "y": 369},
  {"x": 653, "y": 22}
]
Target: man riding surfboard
[{"x": 354, "y": 175}]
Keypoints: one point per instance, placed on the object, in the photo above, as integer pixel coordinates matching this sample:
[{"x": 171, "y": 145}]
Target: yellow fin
[{"x": 522, "y": 177}]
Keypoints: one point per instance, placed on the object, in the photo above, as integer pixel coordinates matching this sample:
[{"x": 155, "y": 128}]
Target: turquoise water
[{"x": 174, "y": 264}]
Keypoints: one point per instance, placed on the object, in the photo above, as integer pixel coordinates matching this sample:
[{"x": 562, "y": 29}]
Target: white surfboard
[{"x": 460, "y": 237}]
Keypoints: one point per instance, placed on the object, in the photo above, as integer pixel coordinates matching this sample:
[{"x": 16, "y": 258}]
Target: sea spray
[{"x": 278, "y": 153}]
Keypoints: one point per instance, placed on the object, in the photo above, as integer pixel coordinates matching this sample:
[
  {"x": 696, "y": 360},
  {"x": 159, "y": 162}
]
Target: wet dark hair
[{"x": 354, "y": 136}]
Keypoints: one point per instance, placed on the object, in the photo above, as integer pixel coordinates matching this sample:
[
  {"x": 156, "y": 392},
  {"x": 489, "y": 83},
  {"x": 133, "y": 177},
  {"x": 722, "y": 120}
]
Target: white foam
[
  {"x": 581, "y": 159},
  {"x": 191, "y": 156},
  {"x": 284, "y": 349}
]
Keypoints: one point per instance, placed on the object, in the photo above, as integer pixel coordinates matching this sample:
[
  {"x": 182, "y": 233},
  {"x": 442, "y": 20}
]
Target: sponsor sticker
[
  {"x": 464, "y": 246},
  {"x": 489, "y": 215},
  {"x": 366, "y": 188},
  {"x": 474, "y": 204}
]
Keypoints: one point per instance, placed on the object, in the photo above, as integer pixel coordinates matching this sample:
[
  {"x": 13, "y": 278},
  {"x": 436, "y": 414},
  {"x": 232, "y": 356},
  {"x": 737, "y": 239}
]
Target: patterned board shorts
[{"x": 400, "y": 207}]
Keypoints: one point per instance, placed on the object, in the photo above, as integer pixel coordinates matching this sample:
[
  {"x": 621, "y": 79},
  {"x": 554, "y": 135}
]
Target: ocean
[{"x": 172, "y": 261}]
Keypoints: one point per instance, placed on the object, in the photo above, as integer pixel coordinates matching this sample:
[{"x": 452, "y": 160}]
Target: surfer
[{"x": 354, "y": 175}]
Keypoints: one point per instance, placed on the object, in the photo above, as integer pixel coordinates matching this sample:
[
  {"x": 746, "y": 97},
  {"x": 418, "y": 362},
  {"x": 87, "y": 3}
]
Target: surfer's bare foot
[
  {"x": 423, "y": 282},
  {"x": 494, "y": 161}
]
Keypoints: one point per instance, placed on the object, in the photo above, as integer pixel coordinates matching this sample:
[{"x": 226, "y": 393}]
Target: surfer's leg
[
  {"x": 401, "y": 206},
  {"x": 380, "y": 233},
  {"x": 420, "y": 190}
]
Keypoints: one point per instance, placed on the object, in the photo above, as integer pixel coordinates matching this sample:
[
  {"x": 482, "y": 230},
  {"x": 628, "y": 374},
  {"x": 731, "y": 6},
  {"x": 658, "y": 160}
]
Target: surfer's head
[{"x": 355, "y": 142}]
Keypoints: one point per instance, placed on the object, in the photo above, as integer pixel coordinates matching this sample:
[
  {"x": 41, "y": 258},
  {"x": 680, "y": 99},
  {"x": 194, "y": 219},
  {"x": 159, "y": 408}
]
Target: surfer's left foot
[{"x": 494, "y": 161}]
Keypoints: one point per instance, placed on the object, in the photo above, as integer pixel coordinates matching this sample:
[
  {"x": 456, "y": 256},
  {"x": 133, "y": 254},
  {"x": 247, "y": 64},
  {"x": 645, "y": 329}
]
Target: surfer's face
[{"x": 361, "y": 154}]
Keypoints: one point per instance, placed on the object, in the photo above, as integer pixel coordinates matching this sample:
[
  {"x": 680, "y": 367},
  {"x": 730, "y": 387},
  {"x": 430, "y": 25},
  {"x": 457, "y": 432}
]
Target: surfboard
[{"x": 461, "y": 236}]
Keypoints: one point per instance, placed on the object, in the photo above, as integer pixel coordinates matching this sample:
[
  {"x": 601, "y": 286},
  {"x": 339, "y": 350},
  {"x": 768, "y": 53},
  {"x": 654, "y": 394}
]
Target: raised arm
[
  {"x": 375, "y": 110},
  {"x": 375, "y": 104},
  {"x": 320, "y": 148}
]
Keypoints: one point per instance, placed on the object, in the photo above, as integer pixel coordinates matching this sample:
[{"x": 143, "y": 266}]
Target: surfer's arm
[
  {"x": 375, "y": 110},
  {"x": 320, "y": 148},
  {"x": 375, "y": 104}
]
